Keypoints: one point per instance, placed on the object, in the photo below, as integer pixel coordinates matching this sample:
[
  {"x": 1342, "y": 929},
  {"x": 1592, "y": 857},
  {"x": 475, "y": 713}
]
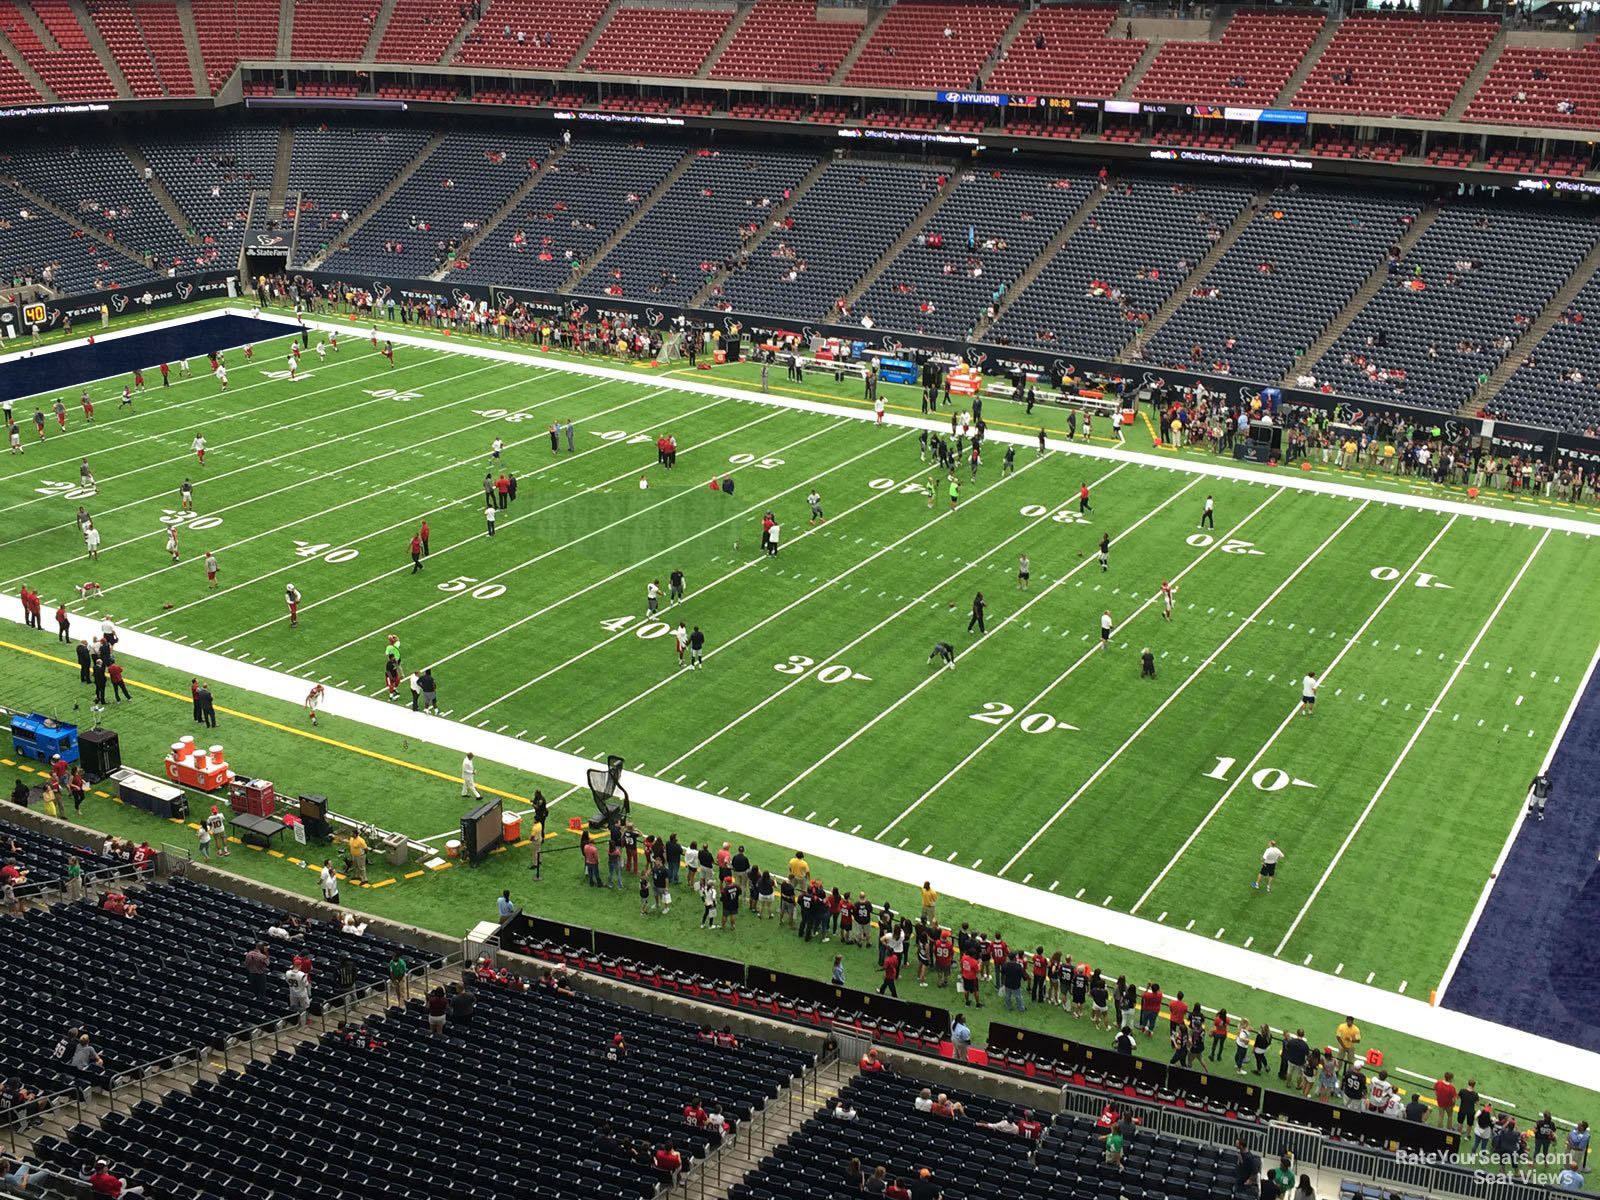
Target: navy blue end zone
[
  {"x": 68, "y": 369},
  {"x": 1532, "y": 961}
]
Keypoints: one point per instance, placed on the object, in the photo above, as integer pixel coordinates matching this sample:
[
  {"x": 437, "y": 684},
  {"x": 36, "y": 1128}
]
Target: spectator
[
  {"x": 507, "y": 909},
  {"x": 1246, "y": 1170},
  {"x": 256, "y": 965},
  {"x": 103, "y": 1183},
  {"x": 960, "y": 1037},
  {"x": 89, "y": 1066},
  {"x": 1444, "y": 1098},
  {"x": 24, "y": 1176},
  {"x": 1577, "y": 1144},
  {"x": 1305, "y": 1191},
  {"x": 438, "y": 1007}
]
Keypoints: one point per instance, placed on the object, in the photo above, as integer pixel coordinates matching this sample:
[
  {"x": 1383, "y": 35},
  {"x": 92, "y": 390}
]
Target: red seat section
[
  {"x": 1531, "y": 85},
  {"x": 551, "y": 32},
  {"x": 72, "y": 72},
  {"x": 1386, "y": 65},
  {"x": 1249, "y": 64},
  {"x": 334, "y": 30},
  {"x": 926, "y": 45},
  {"x": 783, "y": 40},
  {"x": 229, "y": 31},
  {"x": 146, "y": 41},
  {"x": 656, "y": 41},
  {"x": 420, "y": 31},
  {"x": 1064, "y": 50}
]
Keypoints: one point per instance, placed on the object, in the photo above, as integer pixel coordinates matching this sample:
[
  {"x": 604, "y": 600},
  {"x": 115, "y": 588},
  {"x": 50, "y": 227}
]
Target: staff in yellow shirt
[{"x": 1349, "y": 1037}]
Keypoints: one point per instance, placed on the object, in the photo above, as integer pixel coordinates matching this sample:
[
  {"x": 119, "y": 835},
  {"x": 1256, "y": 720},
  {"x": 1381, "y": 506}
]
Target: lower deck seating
[{"x": 523, "y": 1098}]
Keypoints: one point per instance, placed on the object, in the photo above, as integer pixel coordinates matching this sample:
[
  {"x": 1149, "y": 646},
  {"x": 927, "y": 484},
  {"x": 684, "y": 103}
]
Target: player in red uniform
[
  {"x": 388, "y": 351},
  {"x": 249, "y": 352},
  {"x": 166, "y": 372},
  {"x": 291, "y": 597},
  {"x": 138, "y": 379},
  {"x": 1167, "y": 591},
  {"x": 333, "y": 342}
]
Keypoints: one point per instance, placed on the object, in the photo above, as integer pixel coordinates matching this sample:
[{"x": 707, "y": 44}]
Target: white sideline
[
  {"x": 1404, "y": 1014},
  {"x": 1405, "y": 752},
  {"x": 1216, "y": 470},
  {"x": 1303, "y": 985}
]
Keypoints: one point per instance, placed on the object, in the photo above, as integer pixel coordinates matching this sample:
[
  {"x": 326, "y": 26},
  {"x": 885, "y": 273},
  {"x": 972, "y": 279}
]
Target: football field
[{"x": 1449, "y": 646}]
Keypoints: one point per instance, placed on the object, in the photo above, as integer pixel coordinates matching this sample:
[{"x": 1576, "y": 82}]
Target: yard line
[
  {"x": 311, "y": 516},
  {"x": 498, "y": 575},
  {"x": 699, "y": 591},
  {"x": 411, "y": 519},
  {"x": 1179, "y": 690},
  {"x": 264, "y": 495},
  {"x": 1353, "y": 640},
  {"x": 1416, "y": 735},
  {"x": 899, "y": 612},
  {"x": 249, "y": 437},
  {"x": 1511, "y": 837},
  {"x": 1023, "y": 711}
]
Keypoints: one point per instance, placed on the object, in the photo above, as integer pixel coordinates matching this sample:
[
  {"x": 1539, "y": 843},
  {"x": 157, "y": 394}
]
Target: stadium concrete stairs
[
  {"x": 1307, "y": 362},
  {"x": 280, "y": 170},
  {"x": 460, "y": 39},
  {"x": 378, "y": 201},
  {"x": 998, "y": 54},
  {"x": 1303, "y": 72},
  {"x": 285, "y": 29},
  {"x": 731, "y": 31},
  {"x": 1537, "y": 328},
  {"x": 506, "y": 210},
  {"x": 159, "y": 191},
  {"x": 952, "y": 174},
  {"x": 1247, "y": 214},
  {"x": 849, "y": 60},
  {"x": 588, "y": 43},
  {"x": 1140, "y": 67},
  {"x": 622, "y": 231},
  {"x": 770, "y": 1128},
  {"x": 191, "y": 43},
  {"x": 1025, "y": 280},
  {"x": 103, "y": 52},
  {"x": 99, "y": 239},
  {"x": 26, "y": 71},
  {"x": 380, "y": 26},
  {"x": 1474, "y": 81},
  {"x": 703, "y": 297}
]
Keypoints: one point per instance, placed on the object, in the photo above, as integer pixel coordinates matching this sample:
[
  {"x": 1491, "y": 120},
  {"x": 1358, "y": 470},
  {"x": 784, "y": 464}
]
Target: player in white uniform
[
  {"x": 322, "y": 351},
  {"x": 1167, "y": 592},
  {"x": 682, "y": 635},
  {"x": 183, "y": 367},
  {"x": 222, "y": 376},
  {"x": 1270, "y": 858},
  {"x": 172, "y": 542},
  {"x": 291, "y": 367},
  {"x": 314, "y": 702},
  {"x": 1308, "y": 692}
]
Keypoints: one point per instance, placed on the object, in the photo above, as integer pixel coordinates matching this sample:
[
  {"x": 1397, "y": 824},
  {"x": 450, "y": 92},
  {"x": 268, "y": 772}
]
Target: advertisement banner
[{"x": 137, "y": 298}]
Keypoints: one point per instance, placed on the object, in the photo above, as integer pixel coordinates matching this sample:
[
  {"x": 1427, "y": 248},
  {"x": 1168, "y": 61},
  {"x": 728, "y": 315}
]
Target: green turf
[
  {"x": 1040, "y": 756},
  {"x": 273, "y": 738}
]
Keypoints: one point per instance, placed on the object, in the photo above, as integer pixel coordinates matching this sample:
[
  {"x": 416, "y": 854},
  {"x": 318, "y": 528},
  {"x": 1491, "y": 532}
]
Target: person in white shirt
[
  {"x": 1105, "y": 628},
  {"x": 1270, "y": 858},
  {"x": 172, "y": 542},
  {"x": 469, "y": 778},
  {"x": 924, "y": 1101},
  {"x": 299, "y": 989},
  {"x": 330, "y": 882},
  {"x": 91, "y": 539},
  {"x": 1308, "y": 693},
  {"x": 682, "y": 635},
  {"x": 652, "y": 597},
  {"x": 772, "y": 540},
  {"x": 1379, "y": 1092},
  {"x": 488, "y": 518}
]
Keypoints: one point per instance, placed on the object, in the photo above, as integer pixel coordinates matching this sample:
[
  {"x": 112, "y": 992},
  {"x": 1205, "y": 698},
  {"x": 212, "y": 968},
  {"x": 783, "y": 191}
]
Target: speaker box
[{"x": 99, "y": 751}]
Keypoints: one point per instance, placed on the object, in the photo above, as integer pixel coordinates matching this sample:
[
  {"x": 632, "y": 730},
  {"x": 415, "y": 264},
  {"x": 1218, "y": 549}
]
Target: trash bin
[{"x": 395, "y": 849}]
